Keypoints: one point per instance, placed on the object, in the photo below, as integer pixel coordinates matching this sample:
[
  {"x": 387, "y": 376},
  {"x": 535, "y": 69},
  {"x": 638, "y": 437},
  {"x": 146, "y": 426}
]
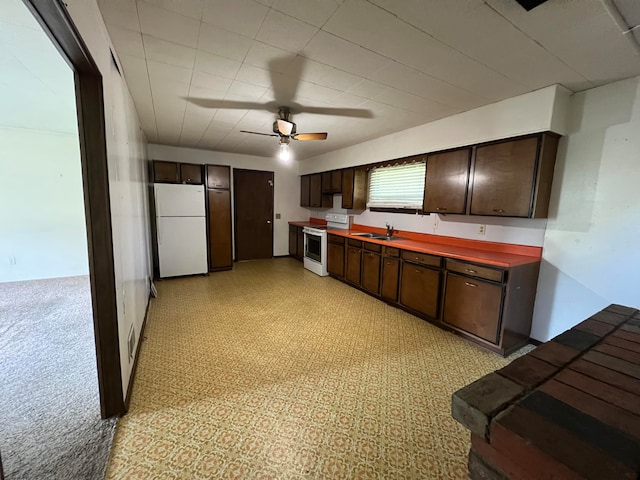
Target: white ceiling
[
  {"x": 403, "y": 62},
  {"x": 36, "y": 85}
]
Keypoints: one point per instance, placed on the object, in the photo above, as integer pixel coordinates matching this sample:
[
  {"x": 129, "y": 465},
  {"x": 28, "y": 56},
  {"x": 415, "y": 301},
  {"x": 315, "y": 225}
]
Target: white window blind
[{"x": 397, "y": 186}]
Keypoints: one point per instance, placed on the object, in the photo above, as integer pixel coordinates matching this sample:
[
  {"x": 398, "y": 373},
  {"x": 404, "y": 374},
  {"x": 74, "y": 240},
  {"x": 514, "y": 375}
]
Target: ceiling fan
[
  {"x": 284, "y": 128},
  {"x": 285, "y": 74}
]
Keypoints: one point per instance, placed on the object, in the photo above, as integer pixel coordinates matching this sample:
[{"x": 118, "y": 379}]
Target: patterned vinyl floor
[{"x": 271, "y": 372}]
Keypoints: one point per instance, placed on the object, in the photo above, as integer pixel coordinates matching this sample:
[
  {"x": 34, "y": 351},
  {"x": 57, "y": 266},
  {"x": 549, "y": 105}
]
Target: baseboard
[
  {"x": 127, "y": 398},
  {"x": 535, "y": 342}
]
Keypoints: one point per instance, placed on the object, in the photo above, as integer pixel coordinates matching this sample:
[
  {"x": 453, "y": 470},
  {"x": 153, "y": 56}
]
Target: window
[{"x": 397, "y": 186}]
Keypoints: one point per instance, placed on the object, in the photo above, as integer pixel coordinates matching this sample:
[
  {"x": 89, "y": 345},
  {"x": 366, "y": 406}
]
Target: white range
[{"x": 315, "y": 242}]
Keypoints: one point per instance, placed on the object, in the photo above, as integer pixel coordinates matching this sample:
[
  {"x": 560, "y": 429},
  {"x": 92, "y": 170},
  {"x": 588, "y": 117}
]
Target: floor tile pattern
[{"x": 271, "y": 372}]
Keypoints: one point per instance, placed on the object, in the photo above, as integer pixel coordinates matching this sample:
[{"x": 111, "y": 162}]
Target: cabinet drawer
[
  {"x": 476, "y": 271},
  {"x": 421, "y": 258},
  {"x": 372, "y": 247},
  {"x": 337, "y": 239},
  {"x": 354, "y": 243},
  {"x": 391, "y": 252}
]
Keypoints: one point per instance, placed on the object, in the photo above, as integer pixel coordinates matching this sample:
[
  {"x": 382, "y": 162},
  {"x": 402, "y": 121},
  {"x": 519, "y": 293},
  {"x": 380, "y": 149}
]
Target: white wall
[
  {"x": 42, "y": 233},
  {"x": 591, "y": 255},
  {"x": 126, "y": 152},
  {"x": 537, "y": 111},
  {"x": 286, "y": 183}
]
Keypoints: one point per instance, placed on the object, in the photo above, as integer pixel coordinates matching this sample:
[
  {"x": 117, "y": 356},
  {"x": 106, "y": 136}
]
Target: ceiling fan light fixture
[{"x": 284, "y": 154}]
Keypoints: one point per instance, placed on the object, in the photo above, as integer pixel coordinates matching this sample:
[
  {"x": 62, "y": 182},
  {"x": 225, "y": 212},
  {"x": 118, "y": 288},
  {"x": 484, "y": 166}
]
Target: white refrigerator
[{"x": 181, "y": 229}]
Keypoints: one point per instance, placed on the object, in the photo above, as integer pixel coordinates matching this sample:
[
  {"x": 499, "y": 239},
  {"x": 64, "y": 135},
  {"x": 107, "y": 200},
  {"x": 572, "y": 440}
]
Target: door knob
[{"x": 268, "y": 221}]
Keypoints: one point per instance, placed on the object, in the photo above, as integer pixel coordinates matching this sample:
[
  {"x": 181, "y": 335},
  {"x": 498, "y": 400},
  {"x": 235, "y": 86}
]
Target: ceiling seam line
[{"x": 146, "y": 67}]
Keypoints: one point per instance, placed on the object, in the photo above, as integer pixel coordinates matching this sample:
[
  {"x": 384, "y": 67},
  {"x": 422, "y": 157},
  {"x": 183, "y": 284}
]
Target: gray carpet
[{"x": 50, "y": 425}]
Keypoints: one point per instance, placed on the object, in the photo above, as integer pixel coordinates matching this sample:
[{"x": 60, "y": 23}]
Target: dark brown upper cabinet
[
  {"x": 326, "y": 182},
  {"x": 354, "y": 188},
  {"x": 336, "y": 181},
  {"x": 305, "y": 190},
  {"x": 218, "y": 176},
  {"x": 191, "y": 173},
  {"x": 166, "y": 172},
  {"x": 513, "y": 178},
  {"x": 446, "y": 182},
  {"x": 317, "y": 199}
]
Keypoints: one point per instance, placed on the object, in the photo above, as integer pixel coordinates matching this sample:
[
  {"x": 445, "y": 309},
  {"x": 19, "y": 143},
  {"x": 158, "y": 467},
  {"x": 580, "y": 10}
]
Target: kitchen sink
[
  {"x": 384, "y": 237},
  {"x": 366, "y": 235}
]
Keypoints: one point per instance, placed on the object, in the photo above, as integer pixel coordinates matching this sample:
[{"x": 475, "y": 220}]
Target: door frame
[
  {"x": 57, "y": 24},
  {"x": 235, "y": 211}
]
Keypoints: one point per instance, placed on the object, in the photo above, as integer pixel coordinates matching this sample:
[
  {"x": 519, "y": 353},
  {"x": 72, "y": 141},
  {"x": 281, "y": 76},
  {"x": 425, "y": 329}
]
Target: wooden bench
[{"x": 568, "y": 409}]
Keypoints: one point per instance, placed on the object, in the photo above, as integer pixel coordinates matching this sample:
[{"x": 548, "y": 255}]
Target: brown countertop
[{"x": 497, "y": 254}]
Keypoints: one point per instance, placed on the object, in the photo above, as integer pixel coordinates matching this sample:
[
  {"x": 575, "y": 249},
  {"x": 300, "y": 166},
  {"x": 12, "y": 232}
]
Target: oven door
[{"x": 313, "y": 246}]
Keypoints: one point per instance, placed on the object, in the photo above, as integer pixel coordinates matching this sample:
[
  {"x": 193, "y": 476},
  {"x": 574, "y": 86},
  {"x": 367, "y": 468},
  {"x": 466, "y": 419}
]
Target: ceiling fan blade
[
  {"x": 259, "y": 133},
  {"x": 310, "y": 136},
  {"x": 216, "y": 103},
  {"x": 285, "y": 74},
  {"x": 284, "y": 127},
  {"x": 339, "y": 112}
]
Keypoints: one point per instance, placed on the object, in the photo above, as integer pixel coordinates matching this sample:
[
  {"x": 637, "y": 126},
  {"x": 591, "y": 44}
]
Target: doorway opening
[{"x": 57, "y": 300}]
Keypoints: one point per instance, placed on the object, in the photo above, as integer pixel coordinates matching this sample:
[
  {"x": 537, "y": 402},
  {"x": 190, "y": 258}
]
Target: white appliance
[
  {"x": 181, "y": 229},
  {"x": 315, "y": 242}
]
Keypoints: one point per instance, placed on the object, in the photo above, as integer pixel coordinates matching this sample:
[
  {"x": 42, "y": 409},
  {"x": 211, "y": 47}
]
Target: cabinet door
[
  {"x": 335, "y": 259},
  {"x": 219, "y": 229},
  {"x": 315, "y": 189},
  {"x": 390, "y": 275},
  {"x": 165, "y": 172},
  {"x": 353, "y": 263},
  {"x": 336, "y": 181},
  {"x": 420, "y": 288},
  {"x": 347, "y": 188},
  {"x": 503, "y": 178},
  {"x": 474, "y": 306},
  {"x": 354, "y": 188},
  {"x": 293, "y": 241},
  {"x": 305, "y": 190},
  {"x": 326, "y": 182},
  {"x": 218, "y": 176},
  {"x": 446, "y": 180},
  {"x": 300, "y": 237},
  {"x": 191, "y": 173},
  {"x": 371, "y": 272}
]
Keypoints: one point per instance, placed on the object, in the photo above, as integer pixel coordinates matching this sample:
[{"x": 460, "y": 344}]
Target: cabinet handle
[
  {"x": 440, "y": 208},
  {"x": 418, "y": 271},
  {"x": 498, "y": 210},
  {"x": 468, "y": 284},
  {"x": 470, "y": 271}
]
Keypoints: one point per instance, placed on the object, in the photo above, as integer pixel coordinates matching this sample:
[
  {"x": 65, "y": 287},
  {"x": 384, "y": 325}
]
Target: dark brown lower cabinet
[
  {"x": 335, "y": 255},
  {"x": 420, "y": 288},
  {"x": 220, "y": 252},
  {"x": 353, "y": 262},
  {"x": 473, "y": 305},
  {"x": 371, "y": 271},
  {"x": 389, "y": 278},
  {"x": 296, "y": 242}
]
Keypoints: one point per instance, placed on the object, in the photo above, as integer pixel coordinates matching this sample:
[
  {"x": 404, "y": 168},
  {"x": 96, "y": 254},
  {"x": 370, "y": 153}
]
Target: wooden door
[
  {"x": 503, "y": 179},
  {"x": 220, "y": 254},
  {"x": 446, "y": 180},
  {"x": 253, "y": 208},
  {"x": 420, "y": 288},
  {"x": 390, "y": 276},
  {"x": 473, "y": 306}
]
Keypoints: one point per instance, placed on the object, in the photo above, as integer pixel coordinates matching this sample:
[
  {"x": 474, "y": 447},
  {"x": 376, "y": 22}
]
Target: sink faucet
[{"x": 389, "y": 229}]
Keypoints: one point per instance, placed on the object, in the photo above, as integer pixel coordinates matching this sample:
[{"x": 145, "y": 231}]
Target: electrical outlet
[
  {"x": 278, "y": 216},
  {"x": 436, "y": 222},
  {"x": 482, "y": 230},
  {"x": 12, "y": 260}
]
